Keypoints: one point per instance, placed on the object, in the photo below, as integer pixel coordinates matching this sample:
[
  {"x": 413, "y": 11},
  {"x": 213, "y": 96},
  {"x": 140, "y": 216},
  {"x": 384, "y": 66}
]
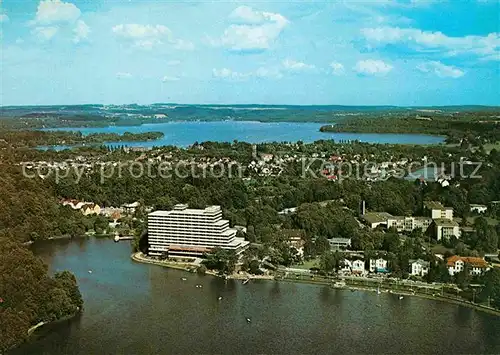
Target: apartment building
[
  {"x": 445, "y": 228},
  {"x": 339, "y": 243},
  {"x": 436, "y": 210},
  {"x": 408, "y": 223},
  {"x": 183, "y": 231}
]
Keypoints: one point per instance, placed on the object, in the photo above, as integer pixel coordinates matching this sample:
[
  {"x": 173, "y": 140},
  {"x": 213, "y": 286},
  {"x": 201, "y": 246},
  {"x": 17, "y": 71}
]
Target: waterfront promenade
[{"x": 192, "y": 267}]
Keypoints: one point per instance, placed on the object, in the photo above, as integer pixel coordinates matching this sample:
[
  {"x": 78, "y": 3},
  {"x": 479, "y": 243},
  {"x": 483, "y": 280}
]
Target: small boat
[
  {"x": 248, "y": 320},
  {"x": 183, "y": 279},
  {"x": 220, "y": 298},
  {"x": 199, "y": 286},
  {"x": 90, "y": 271},
  {"x": 378, "y": 291},
  {"x": 400, "y": 297},
  {"x": 245, "y": 281}
]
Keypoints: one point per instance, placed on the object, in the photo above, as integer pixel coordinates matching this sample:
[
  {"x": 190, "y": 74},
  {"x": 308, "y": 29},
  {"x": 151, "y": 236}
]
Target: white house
[
  {"x": 346, "y": 266},
  {"x": 378, "y": 265},
  {"x": 478, "y": 208},
  {"x": 419, "y": 267},
  {"x": 339, "y": 243},
  {"x": 358, "y": 266},
  {"x": 457, "y": 264}
]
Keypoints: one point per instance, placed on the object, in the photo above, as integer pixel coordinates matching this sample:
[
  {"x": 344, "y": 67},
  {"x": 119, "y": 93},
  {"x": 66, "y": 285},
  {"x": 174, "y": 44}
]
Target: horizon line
[{"x": 252, "y": 104}]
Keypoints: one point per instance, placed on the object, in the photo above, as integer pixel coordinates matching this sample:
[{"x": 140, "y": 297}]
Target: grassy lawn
[
  {"x": 491, "y": 221},
  {"x": 307, "y": 264},
  {"x": 488, "y": 147}
]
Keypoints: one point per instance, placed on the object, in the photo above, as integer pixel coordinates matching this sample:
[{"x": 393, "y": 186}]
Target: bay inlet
[{"x": 133, "y": 308}]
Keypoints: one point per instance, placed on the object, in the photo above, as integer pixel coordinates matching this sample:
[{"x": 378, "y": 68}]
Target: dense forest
[
  {"x": 19, "y": 139},
  {"x": 28, "y": 295}
]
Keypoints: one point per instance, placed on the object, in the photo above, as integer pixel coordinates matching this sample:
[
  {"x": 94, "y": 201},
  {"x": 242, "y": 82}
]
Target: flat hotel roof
[{"x": 188, "y": 211}]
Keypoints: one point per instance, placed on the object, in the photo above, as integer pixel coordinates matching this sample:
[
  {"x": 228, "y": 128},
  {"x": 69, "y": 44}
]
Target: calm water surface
[
  {"x": 186, "y": 133},
  {"x": 135, "y": 308}
]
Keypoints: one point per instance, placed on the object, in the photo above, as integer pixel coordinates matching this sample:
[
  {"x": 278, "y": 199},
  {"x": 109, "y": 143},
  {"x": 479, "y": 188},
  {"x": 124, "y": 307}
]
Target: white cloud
[
  {"x": 56, "y": 11},
  {"x": 224, "y": 73},
  {"x": 372, "y": 67},
  {"x": 420, "y": 40},
  {"x": 123, "y": 75},
  {"x": 251, "y": 30},
  {"x": 495, "y": 56},
  {"x": 267, "y": 73},
  {"x": 337, "y": 68},
  {"x": 249, "y": 16},
  {"x": 261, "y": 72},
  {"x": 183, "y": 45},
  {"x": 45, "y": 33},
  {"x": 402, "y": 3},
  {"x": 56, "y": 16},
  {"x": 143, "y": 36},
  {"x": 293, "y": 65},
  {"x": 440, "y": 69},
  {"x": 425, "y": 2},
  {"x": 169, "y": 78},
  {"x": 149, "y": 36},
  {"x": 4, "y": 18},
  {"x": 81, "y": 31}
]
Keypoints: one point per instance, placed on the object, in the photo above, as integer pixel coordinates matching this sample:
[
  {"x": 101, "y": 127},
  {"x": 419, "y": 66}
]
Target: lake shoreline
[
  {"x": 185, "y": 133},
  {"x": 395, "y": 292},
  {"x": 137, "y": 258}
]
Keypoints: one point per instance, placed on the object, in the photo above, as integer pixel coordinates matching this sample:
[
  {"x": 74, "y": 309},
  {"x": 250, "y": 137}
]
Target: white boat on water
[
  {"x": 400, "y": 297},
  {"x": 183, "y": 279},
  {"x": 378, "y": 291},
  {"x": 220, "y": 298},
  {"x": 245, "y": 281},
  {"x": 90, "y": 271},
  {"x": 248, "y": 320}
]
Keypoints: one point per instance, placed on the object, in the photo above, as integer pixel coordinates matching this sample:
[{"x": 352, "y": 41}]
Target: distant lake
[
  {"x": 184, "y": 133},
  {"x": 133, "y": 308}
]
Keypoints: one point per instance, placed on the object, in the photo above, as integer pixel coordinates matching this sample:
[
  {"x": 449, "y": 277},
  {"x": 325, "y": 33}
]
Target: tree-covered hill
[{"x": 28, "y": 295}]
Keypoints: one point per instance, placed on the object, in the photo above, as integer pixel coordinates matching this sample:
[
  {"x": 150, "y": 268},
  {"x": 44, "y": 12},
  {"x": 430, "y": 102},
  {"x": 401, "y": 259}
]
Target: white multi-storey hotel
[{"x": 191, "y": 232}]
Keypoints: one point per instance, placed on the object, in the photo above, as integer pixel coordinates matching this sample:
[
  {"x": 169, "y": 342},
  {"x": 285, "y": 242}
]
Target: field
[
  {"x": 491, "y": 221},
  {"x": 490, "y": 146},
  {"x": 307, "y": 264}
]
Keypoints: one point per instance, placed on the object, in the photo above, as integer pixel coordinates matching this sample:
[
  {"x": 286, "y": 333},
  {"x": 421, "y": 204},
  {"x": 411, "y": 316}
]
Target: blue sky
[{"x": 399, "y": 52}]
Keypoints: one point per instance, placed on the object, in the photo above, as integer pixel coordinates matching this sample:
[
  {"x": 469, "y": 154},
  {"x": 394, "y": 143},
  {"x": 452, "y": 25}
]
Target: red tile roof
[{"x": 475, "y": 262}]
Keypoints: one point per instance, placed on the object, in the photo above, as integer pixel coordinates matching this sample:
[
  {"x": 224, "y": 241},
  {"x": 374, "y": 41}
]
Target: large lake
[
  {"x": 135, "y": 308},
  {"x": 186, "y": 133}
]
